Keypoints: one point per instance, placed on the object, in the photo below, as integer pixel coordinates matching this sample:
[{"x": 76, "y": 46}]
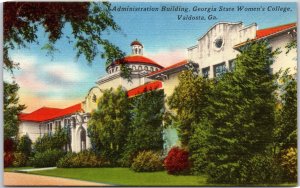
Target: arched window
[
  {"x": 136, "y": 51},
  {"x": 140, "y": 51},
  {"x": 140, "y": 67},
  {"x": 133, "y": 67},
  {"x": 151, "y": 69},
  {"x": 146, "y": 68},
  {"x": 156, "y": 69}
]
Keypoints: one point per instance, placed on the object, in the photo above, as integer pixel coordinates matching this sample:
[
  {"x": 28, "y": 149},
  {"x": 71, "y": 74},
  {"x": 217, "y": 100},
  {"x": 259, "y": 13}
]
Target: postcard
[{"x": 150, "y": 93}]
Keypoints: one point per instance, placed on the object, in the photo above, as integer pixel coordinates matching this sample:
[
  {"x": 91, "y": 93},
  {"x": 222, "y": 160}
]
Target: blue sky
[{"x": 62, "y": 81}]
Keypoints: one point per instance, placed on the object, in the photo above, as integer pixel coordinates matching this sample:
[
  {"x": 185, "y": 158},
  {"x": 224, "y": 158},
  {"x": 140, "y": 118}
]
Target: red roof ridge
[
  {"x": 137, "y": 59},
  {"x": 48, "y": 113},
  {"x": 271, "y": 30},
  {"x": 169, "y": 67},
  {"x": 150, "y": 86}
]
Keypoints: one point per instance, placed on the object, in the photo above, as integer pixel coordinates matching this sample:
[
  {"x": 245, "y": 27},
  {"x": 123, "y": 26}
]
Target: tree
[
  {"x": 189, "y": 100},
  {"x": 242, "y": 114},
  {"x": 24, "y": 145},
  {"x": 88, "y": 21},
  {"x": 286, "y": 130},
  {"x": 108, "y": 126},
  {"x": 146, "y": 129},
  {"x": 11, "y": 110}
]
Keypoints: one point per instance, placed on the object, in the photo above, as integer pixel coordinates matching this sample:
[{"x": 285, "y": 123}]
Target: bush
[
  {"x": 147, "y": 161},
  {"x": 8, "y": 145},
  {"x": 20, "y": 159},
  {"x": 55, "y": 141},
  {"x": 289, "y": 163},
  {"x": 48, "y": 158},
  {"x": 260, "y": 169},
  {"x": 24, "y": 145},
  {"x": 8, "y": 159},
  {"x": 85, "y": 159},
  {"x": 177, "y": 161}
]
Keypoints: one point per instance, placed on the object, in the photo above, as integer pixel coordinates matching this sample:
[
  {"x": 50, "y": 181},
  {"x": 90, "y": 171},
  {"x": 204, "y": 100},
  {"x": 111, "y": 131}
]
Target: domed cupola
[{"x": 137, "y": 48}]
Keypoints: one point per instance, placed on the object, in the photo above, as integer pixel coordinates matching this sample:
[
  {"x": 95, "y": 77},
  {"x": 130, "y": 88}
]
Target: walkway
[{"x": 22, "y": 179}]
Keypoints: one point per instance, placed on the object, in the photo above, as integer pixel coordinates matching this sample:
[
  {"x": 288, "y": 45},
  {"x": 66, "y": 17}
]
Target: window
[
  {"x": 140, "y": 51},
  {"x": 205, "y": 72},
  {"x": 231, "y": 65},
  {"x": 156, "y": 69},
  {"x": 117, "y": 69},
  {"x": 94, "y": 99},
  {"x": 133, "y": 67},
  {"x": 219, "y": 69},
  {"x": 140, "y": 67},
  {"x": 151, "y": 69},
  {"x": 146, "y": 68}
]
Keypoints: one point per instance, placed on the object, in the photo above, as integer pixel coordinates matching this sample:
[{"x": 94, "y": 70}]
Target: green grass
[
  {"x": 124, "y": 176},
  {"x": 127, "y": 177}
]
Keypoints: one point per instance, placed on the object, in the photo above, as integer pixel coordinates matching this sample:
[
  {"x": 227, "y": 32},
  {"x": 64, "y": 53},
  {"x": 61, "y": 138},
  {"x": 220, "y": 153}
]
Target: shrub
[
  {"x": 147, "y": 161},
  {"x": 20, "y": 159},
  {"x": 47, "y": 158},
  {"x": 85, "y": 159},
  {"x": 289, "y": 163},
  {"x": 8, "y": 159},
  {"x": 55, "y": 141},
  {"x": 260, "y": 169},
  {"x": 177, "y": 161},
  {"x": 24, "y": 145},
  {"x": 8, "y": 145}
]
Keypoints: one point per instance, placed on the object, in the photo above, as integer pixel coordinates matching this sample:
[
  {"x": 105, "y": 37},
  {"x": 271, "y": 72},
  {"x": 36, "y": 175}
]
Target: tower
[{"x": 137, "y": 48}]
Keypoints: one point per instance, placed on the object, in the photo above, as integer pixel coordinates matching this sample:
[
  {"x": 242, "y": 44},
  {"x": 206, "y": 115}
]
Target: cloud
[
  {"x": 167, "y": 58},
  {"x": 48, "y": 83}
]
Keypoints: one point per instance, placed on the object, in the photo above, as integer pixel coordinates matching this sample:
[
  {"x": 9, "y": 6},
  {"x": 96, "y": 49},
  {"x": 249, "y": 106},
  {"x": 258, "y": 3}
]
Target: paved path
[
  {"x": 35, "y": 169},
  {"x": 22, "y": 179}
]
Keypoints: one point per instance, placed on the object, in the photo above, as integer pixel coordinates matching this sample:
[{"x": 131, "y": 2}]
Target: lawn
[{"x": 124, "y": 176}]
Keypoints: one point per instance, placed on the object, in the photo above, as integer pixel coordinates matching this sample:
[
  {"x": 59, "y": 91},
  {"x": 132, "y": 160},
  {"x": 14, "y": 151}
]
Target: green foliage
[
  {"x": 108, "y": 126},
  {"x": 261, "y": 169},
  {"x": 11, "y": 109},
  {"x": 46, "y": 158},
  {"x": 147, "y": 161},
  {"x": 84, "y": 159},
  {"x": 88, "y": 21},
  {"x": 291, "y": 45},
  {"x": 145, "y": 131},
  {"x": 286, "y": 129},
  {"x": 289, "y": 163},
  {"x": 241, "y": 113},
  {"x": 199, "y": 147},
  {"x": 24, "y": 145},
  {"x": 56, "y": 141},
  {"x": 189, "y": 101},
  {"x": 20, "y": 159}
]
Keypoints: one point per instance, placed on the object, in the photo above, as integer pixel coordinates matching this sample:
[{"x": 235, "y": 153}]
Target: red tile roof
[
  {"x": 262, "y": 33},
  {"x": 136, "y": 42},
  {"x": 144, "y": 88},
  {"x": 136, "y": 59},
  {"x": 272, "y": 30},
  {"x": 46, "y": 113},
  {"x": 170, "y": 67}
]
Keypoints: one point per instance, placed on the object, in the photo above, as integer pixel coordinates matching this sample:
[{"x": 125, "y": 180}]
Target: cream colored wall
[
  {"x": 283, "y": 60},
  {"x": 30, "y": 128},
  {"x": 207, "y": 55},
  {"x": 170, "y": 84}
]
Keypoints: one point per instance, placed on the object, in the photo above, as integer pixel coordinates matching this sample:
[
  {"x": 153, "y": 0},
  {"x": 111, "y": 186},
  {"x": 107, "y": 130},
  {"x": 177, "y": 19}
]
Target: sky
[{"x": 61, "y": 80}]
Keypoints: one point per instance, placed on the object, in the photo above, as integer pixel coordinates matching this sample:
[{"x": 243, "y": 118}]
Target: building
[{"x": 213, "y": 55}]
